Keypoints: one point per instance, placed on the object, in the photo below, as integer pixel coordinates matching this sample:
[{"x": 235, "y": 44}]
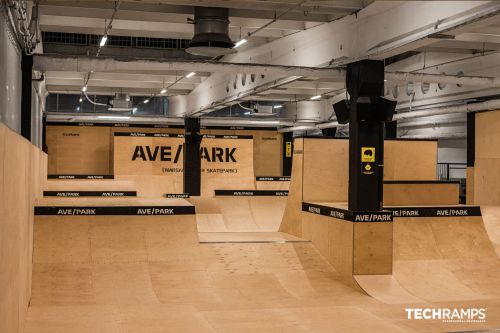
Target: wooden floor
[{"x": 151, "y": 274}]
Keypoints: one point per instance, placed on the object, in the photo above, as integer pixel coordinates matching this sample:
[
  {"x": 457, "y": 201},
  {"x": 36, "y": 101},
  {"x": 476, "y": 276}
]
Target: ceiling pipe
[
  {"x": 460, "y": 135},
  {"x": 44, "y": 62},
  {"x": 443, "y": 78},
  {"x": 471, "y": 107}
]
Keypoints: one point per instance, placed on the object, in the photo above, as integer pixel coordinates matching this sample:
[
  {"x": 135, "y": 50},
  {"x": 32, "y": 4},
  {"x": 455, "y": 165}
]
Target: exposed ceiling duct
[{"x": 211, "y": 32}]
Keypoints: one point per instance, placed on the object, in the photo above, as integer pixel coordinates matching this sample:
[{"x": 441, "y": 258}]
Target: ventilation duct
[
  {"x": 211, "y": 28},
  {"x": 121, "y": 103}
]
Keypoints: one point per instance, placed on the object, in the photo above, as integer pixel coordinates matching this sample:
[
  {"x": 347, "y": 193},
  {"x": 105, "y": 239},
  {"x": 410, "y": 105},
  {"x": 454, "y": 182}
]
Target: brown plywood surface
[
  {"x": 292, "y": 217},
  {"x": 88, "y": 185},
  {"x": 239, "y": 213},
  {"x": 408, "y": 194},
  {"x": 22, "y": 172},
  {"x": 491, "y": 218},
  {"x": 410, "y": 160},
  {"x": 156, "y": 177}
]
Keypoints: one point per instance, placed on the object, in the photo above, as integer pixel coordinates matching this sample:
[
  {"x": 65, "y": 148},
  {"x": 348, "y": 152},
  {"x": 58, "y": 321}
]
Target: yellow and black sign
[
  {"x": 288, "y": 152},
  {"x": 367, "y": 168},
  {"x": 368, "y": 154}
]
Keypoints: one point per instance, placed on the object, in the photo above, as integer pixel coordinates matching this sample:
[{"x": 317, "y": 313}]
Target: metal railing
[{"x": 451, "y": 171}]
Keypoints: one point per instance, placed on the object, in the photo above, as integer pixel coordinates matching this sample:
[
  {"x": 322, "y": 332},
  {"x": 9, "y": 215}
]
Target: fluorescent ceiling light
[
  {"x": 84, "y": 89},
  {"x": 104, "y": 39},
  {"x": 315, "y": 97},
  {"x": 113, "y": 117},
  {"x": 279, "y": 106},
  {"x": 247, "y": 113},
  {"x": 190, "y": 75},
  {"x": 146, "y": 101},
  {"x": 240, "y": 42},
  {"x": 163, "y": 91}
]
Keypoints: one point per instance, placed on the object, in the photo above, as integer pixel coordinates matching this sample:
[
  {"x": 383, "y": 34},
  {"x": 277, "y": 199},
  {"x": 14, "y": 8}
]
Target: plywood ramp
[
  {"x": 491, "y": 218},
  {"x": 239, "y": 213},
  {"x": 445, "y": 258},
  {"x": 150, "y": 274}
]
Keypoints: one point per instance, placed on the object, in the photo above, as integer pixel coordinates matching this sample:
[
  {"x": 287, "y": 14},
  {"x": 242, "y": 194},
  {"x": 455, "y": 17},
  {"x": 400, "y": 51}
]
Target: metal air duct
[{"x": 211, "y": 29}]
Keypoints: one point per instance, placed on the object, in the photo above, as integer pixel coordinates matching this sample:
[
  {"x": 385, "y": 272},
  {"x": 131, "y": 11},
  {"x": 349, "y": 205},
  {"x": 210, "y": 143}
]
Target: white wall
[{"x": 10, "y": 77}]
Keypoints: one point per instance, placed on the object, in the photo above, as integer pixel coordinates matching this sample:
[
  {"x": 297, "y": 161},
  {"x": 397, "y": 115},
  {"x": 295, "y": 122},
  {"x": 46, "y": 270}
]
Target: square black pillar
[
  {"x": 391, "y": 129},
  {"x": 365, "y": 85},
  {"x": 287, "y": 154},
  {"x": 471, "y": 139},
  {"x": 26, "y": 91},
  {"x": 192, "y": 158}
]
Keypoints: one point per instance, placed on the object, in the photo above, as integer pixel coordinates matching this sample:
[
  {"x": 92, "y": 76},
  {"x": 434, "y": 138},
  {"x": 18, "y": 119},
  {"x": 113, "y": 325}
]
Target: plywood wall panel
[
  {"x": 292, "y": 218},
  {"x": 326, "y": 170},
  {"x": 410, "y": 160},
  {"x": 21, "y": 172},
  {"x": 487, "y": 135},
  {"x": 67, "y": 142},
  {"x": 407, "y": 194}
]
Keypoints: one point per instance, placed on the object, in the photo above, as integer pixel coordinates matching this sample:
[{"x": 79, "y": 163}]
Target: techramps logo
[{"x": 448, "y": 315}]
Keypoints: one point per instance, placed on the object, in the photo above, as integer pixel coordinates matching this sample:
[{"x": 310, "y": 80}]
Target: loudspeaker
[
  {"x": 375, "y": 109},
  {"x": 365, "y": 78},
  {"x": 341, "y": 110}
]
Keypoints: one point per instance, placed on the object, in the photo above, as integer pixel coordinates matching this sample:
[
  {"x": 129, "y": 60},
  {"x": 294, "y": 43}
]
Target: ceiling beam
[{"x": 354, "y": 37}]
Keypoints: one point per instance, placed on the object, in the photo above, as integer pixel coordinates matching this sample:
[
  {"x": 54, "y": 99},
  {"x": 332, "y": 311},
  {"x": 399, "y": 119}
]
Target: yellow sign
[
  {"x": 288, "y": 152},
  {"x": 368, "y": 154}
]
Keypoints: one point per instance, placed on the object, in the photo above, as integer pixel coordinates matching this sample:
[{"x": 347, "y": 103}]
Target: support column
[
  {"x": 391, "y": 129},
  {"x": 192, "y": 158},
  {"x": 287, "y": 154},
  {"x": 26, "y": 91},
  {"x": 365, "y": 84},
  {"x": 471, "y": 157}
]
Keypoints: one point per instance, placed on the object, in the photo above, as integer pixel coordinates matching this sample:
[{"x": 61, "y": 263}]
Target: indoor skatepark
[{"x": 207, "y": 219}]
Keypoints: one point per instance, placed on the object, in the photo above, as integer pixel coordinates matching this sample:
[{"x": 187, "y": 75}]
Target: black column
[
  {"x": 44, "y": 134},
  {"x": 287, "y": 153},
  {"x": 192, "y": 158},
  {"x": 365, "y": 84},
  {"x": 471, "y": 139},
  {"x": 391, "y": 129},
  {"x": 26, "y": 90}
]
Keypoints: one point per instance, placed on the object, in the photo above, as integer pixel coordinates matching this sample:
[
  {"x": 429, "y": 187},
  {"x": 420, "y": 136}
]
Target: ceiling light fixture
[
  {"x": 80, "y": 100},
  {"x": 279, "y": 106},
  {"x": 314, "y": 98},
  {"x": 190, "y": 75},
  {"x": 113, "y": 117},
  {"x": 240, "y": 42},
  {"x": 146, "y": 101},
  {"x": 104, "y": 39},
  {"x": 163, "y": 91},
  {"x": 84, "y": 89}
]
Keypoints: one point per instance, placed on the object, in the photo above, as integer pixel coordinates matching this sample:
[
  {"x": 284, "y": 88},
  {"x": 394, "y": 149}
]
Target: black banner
[
  {"x": 89, "y": 193},
  {"x": 421, "y": 182},
  {"x": 251, "y": 193},
  {"x": 176, "y": 195},
  {"x": 105, "y": 124},
  {"x": 114, "y": 210},
  {"x": 80, "y": 176},
  {"x": 89, "y": 123},
  {"x": 343, "y": 214},
  {"x": 446, "y": 211},
  {"x": 140, "y": 134},
  {"x": 273, "y": 179}
]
